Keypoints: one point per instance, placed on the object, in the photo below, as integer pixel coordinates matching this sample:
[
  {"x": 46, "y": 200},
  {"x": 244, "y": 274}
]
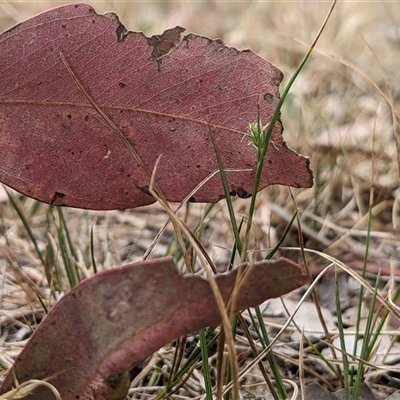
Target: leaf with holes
[
  {"x": 109, "y": 322},
  {"x": 166, "y": 94}
]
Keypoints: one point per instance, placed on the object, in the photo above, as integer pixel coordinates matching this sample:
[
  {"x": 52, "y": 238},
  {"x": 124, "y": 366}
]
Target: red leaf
[
  {"x": 165, "y": 95},
  {"x": 111, "y": 321}
]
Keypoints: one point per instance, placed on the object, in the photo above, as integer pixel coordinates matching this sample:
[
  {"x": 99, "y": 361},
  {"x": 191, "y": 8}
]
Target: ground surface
[{"x": 334, "y": 114}]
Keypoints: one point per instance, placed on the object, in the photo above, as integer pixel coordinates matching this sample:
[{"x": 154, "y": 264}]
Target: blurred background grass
[{"x": 333, "y": 115}]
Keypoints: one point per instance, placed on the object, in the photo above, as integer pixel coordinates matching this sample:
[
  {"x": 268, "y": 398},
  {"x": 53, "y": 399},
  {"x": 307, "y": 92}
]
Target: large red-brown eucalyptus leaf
[
  {"x": 109, "y": 322},
  {"x": 164, "y": 94}
]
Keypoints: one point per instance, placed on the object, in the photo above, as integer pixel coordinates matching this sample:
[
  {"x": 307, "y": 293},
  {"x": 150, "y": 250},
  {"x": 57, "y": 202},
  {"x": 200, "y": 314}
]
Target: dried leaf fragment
[
  {"x": 164, "y": 93},
  {"x": 109, "y": 322}
]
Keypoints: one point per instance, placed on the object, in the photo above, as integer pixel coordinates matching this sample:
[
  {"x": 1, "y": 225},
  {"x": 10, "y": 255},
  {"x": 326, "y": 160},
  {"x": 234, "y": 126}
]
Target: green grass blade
[
  {"x": 282, "y": 238},
  {"x": 53, "y": 269},
  {"x": 27, "y": 226},
  {"x": 206, "y": 365},
  {"x": 382, "y": 322},
  {"x": 264, "y": 345},
  {"x": 345, "y": 361},
  {"x": 34, "y": 208},
  {"x": 270, "y": 356},
  {"x": 39, "y": 297},
  {"x": 366, "y": 349},
  {"x": 191, "y": 361},
  {"x": 264, "y": 136},
  {"x": 92, "y": 250},
  {"x": 238, "y": 242},
  {"x": 67, "y": 234},
  {"x": 69, "y": 269},
  {"x": 69, "y": 265},
  {"x": 175, "y": 364}
]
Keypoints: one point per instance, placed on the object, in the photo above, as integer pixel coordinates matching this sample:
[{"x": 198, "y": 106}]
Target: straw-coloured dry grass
[{"x": 341, "y": 113}]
